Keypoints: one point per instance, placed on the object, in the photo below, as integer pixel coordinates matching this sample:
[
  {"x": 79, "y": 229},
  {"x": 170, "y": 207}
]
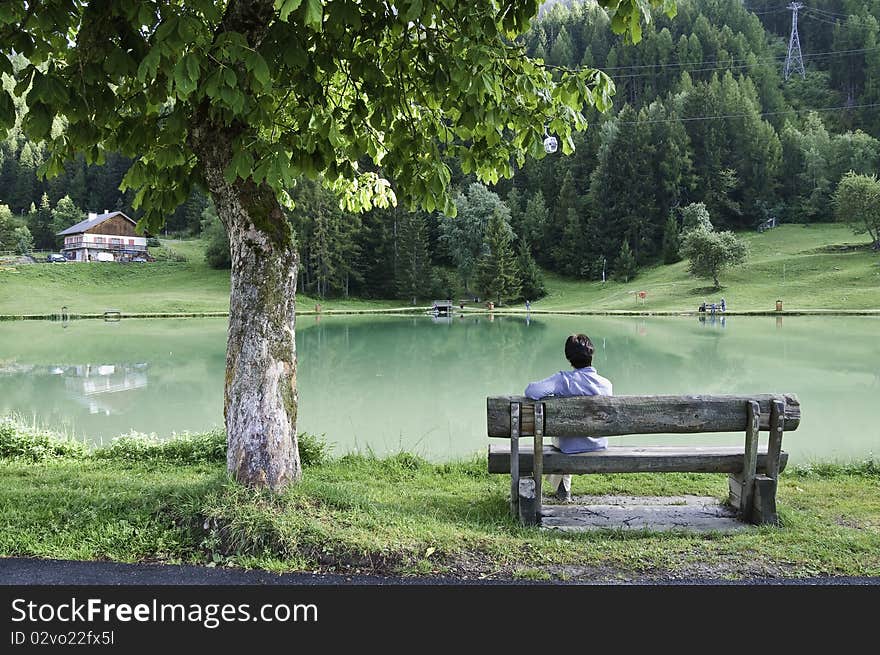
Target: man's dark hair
[{"x": 579, "y": 350}]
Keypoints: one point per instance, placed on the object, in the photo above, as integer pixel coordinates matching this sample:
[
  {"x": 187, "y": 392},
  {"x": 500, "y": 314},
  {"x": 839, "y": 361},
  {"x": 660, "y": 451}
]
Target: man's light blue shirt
[{"x": 579, "y": 382}]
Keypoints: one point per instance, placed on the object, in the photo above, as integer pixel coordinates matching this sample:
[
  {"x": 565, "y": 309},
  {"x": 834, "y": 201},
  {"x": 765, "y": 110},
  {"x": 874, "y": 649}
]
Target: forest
[{"x": 702, "y": 114}]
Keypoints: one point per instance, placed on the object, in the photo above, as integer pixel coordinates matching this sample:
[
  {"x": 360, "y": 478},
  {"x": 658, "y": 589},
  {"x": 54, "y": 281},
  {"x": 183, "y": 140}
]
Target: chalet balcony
[{"x": 115, "y": 247}]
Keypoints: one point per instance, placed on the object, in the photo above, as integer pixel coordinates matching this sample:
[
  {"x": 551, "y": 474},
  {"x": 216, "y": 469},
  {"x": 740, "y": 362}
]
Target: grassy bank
[
  {"x": 181, "y": 281},
  {"x": 818, "y": 266},
  {"x": 172, "y": 502}
]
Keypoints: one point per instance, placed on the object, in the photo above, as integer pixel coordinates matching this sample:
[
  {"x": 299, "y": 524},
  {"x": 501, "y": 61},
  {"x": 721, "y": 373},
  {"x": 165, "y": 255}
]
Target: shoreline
[{"x": 418, "y": 311}]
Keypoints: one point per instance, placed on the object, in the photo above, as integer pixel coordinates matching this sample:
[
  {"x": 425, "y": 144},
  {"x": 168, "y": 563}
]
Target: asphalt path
[{"x": 31, "y": 571}]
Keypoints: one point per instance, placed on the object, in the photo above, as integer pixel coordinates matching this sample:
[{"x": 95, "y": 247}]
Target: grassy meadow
[{"x": 816, "y": 266}]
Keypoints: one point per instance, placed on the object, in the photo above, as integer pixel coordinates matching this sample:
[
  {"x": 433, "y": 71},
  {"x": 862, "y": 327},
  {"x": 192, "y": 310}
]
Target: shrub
[
  {"x": 18, "y": 441},
  {"x": 184, "y": 448}
]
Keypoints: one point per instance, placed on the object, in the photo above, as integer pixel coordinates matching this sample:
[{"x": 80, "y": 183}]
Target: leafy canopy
[{"x": 349, "y": 92}]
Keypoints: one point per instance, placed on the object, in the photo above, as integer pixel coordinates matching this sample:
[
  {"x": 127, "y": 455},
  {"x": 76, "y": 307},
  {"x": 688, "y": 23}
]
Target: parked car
[{"x": 54, "y": 257}]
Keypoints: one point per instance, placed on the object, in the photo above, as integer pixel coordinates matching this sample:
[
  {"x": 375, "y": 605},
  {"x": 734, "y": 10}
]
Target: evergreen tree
[
  {"x": 414, "y": 274},
  {"x": 534, "y": 225},
  {"x": 671, "y": 241},
  {"x": 625, "y": 267},
  {"x": 39, "y": 223},
  {"x": 565, "y": 211},
  {"x": 497, "y": 273},
  {"x": 531, "y": 278}
]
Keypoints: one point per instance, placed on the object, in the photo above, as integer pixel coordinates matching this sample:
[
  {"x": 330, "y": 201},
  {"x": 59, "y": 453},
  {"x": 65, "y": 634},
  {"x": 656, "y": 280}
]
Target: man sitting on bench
[{"x": 582, "y": 381}]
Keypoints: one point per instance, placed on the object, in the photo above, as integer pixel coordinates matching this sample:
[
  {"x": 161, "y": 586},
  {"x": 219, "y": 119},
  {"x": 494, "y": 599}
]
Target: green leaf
[
  {"x": 38, "y": 121},
  {"x": 415, "y": 10},
  {"x": 314, "y": 14},
  {"x": 7, "y": 110},
  {"x": 286, "y": 7},
  {"x": 259, "y": 69},
  {"x": 192, "y": 67}
]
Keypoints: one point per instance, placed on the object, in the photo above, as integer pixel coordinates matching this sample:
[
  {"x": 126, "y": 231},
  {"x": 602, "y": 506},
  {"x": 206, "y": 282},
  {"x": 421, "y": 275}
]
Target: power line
[
  {"x": 830, "y": 13},
  {"x": 757, "y": 62},
  {"x": 765, "y": 113},
  {"x": 829, "y": 20}
]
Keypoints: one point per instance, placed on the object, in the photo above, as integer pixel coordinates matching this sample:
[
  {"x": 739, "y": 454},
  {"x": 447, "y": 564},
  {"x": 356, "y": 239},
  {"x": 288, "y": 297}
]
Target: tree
[
  {"x": 414, "y": 275},
  {"x": 23, "y": 241},
  {"x": 531, "y": 279},
  {"x": 64, "y": 215},
  {"x": 497, "y": 272},
  {"x": 709, "y": 252},
  {"x": 463, "y": 235},
  {"x": 40, "y": 225},
  {"x": 213, "y": 232},
  {"x": 626, "y": 266},
  {"x": 534, "y": 222},
  {"x": 243, "y": 96},
  {"x": 671, "y": 241},
  {"x": 857, "y": 202},
  {"x": 695, "y": 216},
  {"x": 7, "y": 228}
]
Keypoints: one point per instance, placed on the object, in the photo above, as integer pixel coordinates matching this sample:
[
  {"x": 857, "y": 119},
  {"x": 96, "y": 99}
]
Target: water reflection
[
  {"x": 420, "y": 384},
  {"x": 716, "y": 321}
]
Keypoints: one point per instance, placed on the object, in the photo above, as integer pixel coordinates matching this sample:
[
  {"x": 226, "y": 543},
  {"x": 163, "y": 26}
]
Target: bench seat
[{"x": 632, "y": 459}]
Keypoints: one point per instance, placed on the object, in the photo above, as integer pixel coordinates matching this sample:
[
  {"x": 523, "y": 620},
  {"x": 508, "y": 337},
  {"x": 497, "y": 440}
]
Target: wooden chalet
[{"x": 109, "y": 236}]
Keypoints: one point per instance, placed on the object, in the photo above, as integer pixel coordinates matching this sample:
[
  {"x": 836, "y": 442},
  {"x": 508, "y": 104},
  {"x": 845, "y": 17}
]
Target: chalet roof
[{"x": 94, "y": 221}]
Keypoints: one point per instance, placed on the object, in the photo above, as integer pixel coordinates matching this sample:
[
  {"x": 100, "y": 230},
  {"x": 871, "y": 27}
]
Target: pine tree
[
  {"x": 534, "y": 225},
  {"x": 671, "y": 241},
  {"x": 625, "y": 266},
  {"x": 497, "y": 273},
  {"x": 531, "y": 278},
  {"x": 39, "y": 222},
  {"x": 414, "y": 275}
]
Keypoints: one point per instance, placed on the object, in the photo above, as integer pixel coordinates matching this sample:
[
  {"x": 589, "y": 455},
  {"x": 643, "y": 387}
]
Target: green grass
[
  {"x": 806, "y": 266},
  {"x": 813, "y": 278},
  {"x": 402, "y": 515},
  {"x": 160, "y": 287}
]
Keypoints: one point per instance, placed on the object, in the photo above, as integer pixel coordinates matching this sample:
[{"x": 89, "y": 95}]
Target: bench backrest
[{"x": 605, "y": 416}]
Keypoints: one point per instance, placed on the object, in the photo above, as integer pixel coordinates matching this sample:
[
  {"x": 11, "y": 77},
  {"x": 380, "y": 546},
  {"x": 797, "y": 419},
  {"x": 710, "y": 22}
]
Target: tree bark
[{"x": 260, "y": 401}]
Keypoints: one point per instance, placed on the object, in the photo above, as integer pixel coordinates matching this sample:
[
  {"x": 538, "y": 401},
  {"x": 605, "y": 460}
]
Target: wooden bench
[{"x": 752, "y": 471}]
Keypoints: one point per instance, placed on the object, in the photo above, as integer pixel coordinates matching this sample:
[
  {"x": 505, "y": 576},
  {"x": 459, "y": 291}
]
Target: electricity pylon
[{"x": 795, "y": 60}]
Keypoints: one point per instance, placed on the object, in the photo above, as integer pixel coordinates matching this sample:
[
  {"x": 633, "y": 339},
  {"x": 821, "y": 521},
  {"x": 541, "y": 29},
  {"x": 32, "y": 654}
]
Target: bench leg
[
  {"x": 764, "y": 503},
  {"x": 735, "y": 486},
  {"x": 763, "y": 499},
  {"x": 528, "y": 502}
]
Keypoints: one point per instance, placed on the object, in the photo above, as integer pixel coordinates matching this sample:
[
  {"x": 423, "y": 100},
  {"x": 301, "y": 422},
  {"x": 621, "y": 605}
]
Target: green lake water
[{"x": 385, "y": 384}]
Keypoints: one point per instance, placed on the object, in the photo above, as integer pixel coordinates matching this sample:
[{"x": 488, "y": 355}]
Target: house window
[
  {"x": 99, "y": 239},
  {"x": 131, "y": 242}
]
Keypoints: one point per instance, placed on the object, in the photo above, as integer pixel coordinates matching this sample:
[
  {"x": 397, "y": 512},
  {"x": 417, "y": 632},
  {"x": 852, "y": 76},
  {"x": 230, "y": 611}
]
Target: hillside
[
  {"x": 794, "y": 263},
  {"x": 844, "y": 275}
]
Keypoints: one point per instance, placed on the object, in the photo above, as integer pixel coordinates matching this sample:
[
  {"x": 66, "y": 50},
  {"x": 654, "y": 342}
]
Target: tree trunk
[{"x": 260, "y": 401}]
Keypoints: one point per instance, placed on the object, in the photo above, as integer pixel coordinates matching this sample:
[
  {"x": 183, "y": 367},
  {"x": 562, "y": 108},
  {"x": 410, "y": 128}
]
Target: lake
[{"x": 385, "y": 384}]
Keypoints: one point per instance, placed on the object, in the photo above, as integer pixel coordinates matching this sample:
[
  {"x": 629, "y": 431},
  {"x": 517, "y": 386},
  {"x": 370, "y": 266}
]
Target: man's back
[{"x": 578, "y": 382}]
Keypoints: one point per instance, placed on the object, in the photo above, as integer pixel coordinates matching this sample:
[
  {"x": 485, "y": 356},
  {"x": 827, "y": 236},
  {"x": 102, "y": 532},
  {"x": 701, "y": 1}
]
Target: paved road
[{"x": 28, "y": 571}]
